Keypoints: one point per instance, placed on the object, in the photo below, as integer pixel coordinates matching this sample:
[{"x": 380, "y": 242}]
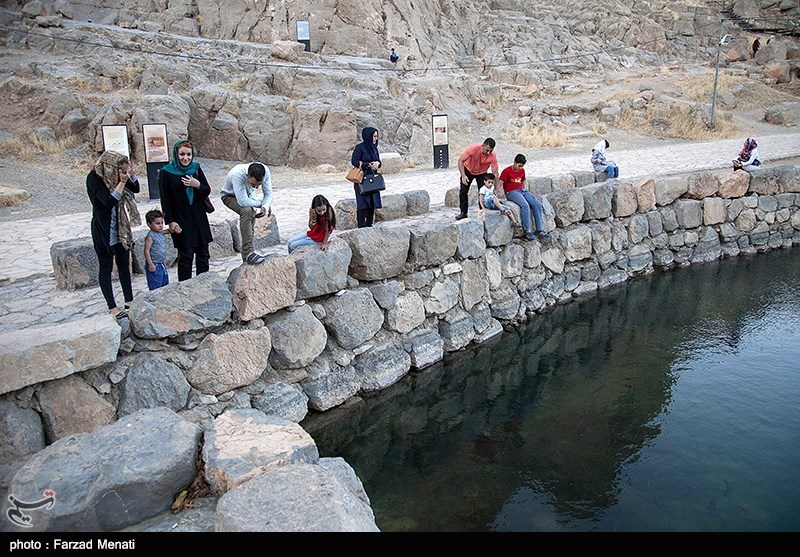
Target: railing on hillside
[{"x": 767, "y": 25}]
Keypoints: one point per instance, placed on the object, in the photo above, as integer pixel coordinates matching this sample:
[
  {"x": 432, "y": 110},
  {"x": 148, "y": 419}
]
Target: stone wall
[{"x": 308, "y": 331}]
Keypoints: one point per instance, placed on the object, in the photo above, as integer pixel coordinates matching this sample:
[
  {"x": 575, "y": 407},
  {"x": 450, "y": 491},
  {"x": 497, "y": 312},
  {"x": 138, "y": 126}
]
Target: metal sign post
[
  {"x": 441, "y": 149},
  {"x": 156, "y": 154}
]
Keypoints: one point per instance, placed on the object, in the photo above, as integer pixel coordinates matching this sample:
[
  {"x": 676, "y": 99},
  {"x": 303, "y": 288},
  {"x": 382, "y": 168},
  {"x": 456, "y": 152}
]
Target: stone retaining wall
[{"x": 310, "y": 330}]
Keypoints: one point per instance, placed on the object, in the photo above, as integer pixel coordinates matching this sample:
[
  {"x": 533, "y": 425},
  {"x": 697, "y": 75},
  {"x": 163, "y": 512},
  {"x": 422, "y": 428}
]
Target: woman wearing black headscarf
[
  {"x": 183, "y": 186},
  {"x": 367, "y": 158}
]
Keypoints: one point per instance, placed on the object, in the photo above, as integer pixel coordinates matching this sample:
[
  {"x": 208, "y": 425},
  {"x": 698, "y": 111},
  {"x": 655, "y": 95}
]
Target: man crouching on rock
[{"x": 239, "y": 195}]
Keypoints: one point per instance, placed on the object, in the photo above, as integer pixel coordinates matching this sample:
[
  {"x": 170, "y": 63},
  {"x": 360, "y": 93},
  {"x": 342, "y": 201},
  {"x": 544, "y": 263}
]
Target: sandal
[{"x": 121, "y": 315}]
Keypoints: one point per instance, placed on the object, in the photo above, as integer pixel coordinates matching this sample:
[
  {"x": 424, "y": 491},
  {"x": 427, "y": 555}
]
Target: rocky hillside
[{"x": 237, "y": 82}]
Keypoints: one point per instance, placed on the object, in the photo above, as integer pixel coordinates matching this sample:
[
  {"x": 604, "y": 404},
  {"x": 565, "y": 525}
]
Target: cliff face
[{"x": 233, "y": 77}]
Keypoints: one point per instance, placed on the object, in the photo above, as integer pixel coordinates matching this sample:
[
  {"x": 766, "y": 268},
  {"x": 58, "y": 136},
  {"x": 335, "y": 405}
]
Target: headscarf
[
  {"x": 749, "y": 145},
  {"x": 371, "y": 148},
  {"x": 107, "y": 167},
  {"x": 601, "y": 146},
  {"x": 175, "y": 167}
]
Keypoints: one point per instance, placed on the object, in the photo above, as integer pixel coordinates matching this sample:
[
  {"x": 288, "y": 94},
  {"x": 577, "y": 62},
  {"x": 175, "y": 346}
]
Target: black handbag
[{"x": 371, "y": 183}]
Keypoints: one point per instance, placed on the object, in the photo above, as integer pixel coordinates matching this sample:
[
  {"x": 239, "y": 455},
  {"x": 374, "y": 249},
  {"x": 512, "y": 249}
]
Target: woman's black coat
[
  {"x": 102, "y": 204},
  {"x": 192, "y": 219}
]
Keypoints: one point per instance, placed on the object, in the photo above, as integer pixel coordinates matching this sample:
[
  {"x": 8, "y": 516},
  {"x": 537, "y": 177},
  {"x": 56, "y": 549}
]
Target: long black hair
[{"x": 330, "y": 214}]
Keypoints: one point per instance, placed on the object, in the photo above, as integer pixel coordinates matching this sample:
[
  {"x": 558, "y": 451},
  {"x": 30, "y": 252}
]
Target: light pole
[{"x": 723, "y": 40}]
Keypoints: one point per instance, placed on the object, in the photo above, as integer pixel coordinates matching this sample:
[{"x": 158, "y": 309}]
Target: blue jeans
[
  {"x": 490, "y": 204},
  {"x": 527, "y": 202},
  {"x": 158, "y": 278},
  {"x": 301, "y": 240}
]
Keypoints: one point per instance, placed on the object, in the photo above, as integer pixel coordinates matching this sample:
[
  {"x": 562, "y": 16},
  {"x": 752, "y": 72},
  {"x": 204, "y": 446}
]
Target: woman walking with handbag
[{"x": 368, "y": 159}]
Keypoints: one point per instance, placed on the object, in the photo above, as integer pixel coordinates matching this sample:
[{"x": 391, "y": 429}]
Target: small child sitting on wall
[{"x": 487, "y": 199}]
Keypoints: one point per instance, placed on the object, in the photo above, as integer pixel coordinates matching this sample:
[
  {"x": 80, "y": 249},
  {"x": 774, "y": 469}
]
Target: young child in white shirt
[{"x": 487, "y": 199}]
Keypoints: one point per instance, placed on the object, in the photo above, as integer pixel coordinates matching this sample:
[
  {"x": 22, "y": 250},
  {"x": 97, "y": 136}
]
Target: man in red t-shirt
[
  {"x": 513, "y": 181},
  {"x": 474, "y": 162}
]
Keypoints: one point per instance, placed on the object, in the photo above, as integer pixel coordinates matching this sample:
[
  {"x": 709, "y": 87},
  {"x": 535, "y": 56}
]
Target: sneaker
[
  {"x": 255, "y": 259},
  {"x": 530, "y": 236},
  {"x": 461, "y": 216},
  {"x": 542, "y": 235}
]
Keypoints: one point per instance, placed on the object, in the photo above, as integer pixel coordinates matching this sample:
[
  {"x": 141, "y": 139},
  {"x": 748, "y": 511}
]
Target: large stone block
[
  {"x": 21, "y": 431},
  {"x": 321, "y": 272},
  {"x": 37, "y": 354},
  {"x": 345, "y": 210},
  {"x": 568, "y": 206},
  {"x": 70, "y": 405},
  {"x": 418, "y": 202},
  {"x": 597, "y": 201},
  {"x": 390, "y": 241},
  {"x": 294, "y": 498},
  {"x": 394, "y": 207},
  {"x": 392, "y": 163},
  {"x": 196, "y": 304},
  {"x": 112, "y": 478},
  {"x": 702, "y": 185},
  {"x": 432, "y": 243},
  {"x": 244, "y": 443},
  {"x": 352, "y": 318},
  {"x": 297, "y": 337},
  {"x": 230, "y": 360},
  {"x": 75, "y": 263},
  {"x": 258, "y": 290}
]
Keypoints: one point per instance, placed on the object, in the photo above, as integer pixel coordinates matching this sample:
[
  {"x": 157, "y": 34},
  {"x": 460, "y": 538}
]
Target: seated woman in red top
[{"x": 321, "y": 222}]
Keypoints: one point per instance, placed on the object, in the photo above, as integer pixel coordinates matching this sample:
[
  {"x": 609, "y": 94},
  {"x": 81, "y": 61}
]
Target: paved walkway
[{"x": 28, "y": 295}]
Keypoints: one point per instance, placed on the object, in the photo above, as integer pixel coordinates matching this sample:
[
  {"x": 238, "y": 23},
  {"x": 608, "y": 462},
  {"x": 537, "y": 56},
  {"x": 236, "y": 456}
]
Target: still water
[{"x": 670, "y": 403}]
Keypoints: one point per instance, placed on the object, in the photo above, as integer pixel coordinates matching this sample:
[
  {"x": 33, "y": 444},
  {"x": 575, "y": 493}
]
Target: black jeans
[
  {"x": 106, "y": 263},
  {"x": 185, "y": 256},
  {"x": 463, "y": 192},
  {"x": 365, "y": 217}
]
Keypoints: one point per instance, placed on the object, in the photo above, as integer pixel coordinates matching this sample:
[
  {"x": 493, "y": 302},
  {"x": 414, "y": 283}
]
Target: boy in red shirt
[
  {"x": 474, "y": 162},
  {"x": 515, "y": 185}
]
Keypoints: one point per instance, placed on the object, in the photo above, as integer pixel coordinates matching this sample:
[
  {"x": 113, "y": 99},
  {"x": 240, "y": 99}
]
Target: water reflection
[{"x": 544, "y": 428}]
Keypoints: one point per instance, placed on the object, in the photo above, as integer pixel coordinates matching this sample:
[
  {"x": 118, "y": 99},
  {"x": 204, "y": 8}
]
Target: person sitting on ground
[
  {"x": 599, "y": 162},
  {"x": 748, "y": 156},
  {"x": 515, "y": 185},
  {"x": 239, "y": 195},
  {"x": 488, "y": 200},
  {"x": 155, "y": 250},
  {"x": 321, "y": 222},
  {"x": 393, "y": 57}
]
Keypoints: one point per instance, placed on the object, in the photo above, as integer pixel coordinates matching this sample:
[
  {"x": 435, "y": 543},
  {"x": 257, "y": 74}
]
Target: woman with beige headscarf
[{"x": 111, "y": 185}]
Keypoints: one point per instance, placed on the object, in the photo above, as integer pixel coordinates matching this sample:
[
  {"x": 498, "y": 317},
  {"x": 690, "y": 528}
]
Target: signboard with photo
[
  {"x": 115, "y": 138},
  {"x": 440, "y": 129},
  {"x": 441, "y": 148},
  {"x": 304, "y": 34},
  {"x": 155, "y": 143}
]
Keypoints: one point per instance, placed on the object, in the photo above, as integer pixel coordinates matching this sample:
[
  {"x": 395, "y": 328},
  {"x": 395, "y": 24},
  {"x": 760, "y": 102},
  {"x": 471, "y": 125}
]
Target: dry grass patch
[
  {"x": 538, "y": 137},
  {"x": 69, "y": 151},
  {"x": 54, "y": 147},
  {"x": 679, "y": 122},
  {"x": 20, "y": 149},
  {"x": 749, "y": 94}
]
